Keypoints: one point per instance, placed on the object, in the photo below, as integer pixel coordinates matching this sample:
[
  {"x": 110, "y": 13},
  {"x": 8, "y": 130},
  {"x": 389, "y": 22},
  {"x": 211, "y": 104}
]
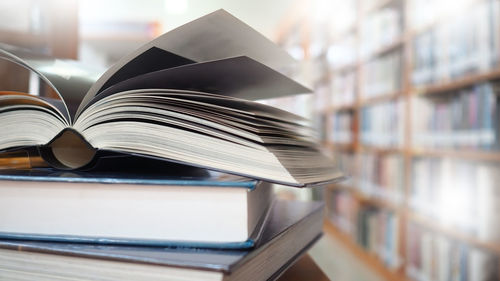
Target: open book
[{"x": 184, "y": 97}]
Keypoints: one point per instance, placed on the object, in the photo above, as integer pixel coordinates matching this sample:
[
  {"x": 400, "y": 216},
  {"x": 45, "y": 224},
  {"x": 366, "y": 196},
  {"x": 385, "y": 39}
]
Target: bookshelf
[{"x": 449, "y": 82}]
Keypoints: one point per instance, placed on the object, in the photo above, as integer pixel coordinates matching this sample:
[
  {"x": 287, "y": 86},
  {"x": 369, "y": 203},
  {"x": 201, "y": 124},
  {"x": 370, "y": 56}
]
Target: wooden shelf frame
[
  {"x": 477, "y": 155},
  {"x": 369, "y": 200},
  {"x": 456, "y": 84}
]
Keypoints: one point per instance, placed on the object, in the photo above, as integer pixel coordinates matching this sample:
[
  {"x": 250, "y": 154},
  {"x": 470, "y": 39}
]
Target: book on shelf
[
  {"x": 342, "y": 208},
  {"x": 466, "y": 44},
  {"x": 434, "y": 256},
  {"x": 292, "y": 228},
  {"x": 382, "y": 124},
  {"x": 186, "y": 96},
  {"x": 374, "y": 229},
  {"x": 380, "y": 29},
  {"x": 465, "y": 118},
  {"x": 181, "y": 206},
  {"x": 382, "y": 76},
  {"x": 382, "y": 176},
  {"x": 458, "y": 193},
  {"x": 377, "y": 231},
  {"x": 341, "y": 127}
]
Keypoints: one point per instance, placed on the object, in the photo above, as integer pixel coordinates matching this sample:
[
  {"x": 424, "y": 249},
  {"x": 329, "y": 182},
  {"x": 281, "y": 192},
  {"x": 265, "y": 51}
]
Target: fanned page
[
  {"x": 218, "y": 35},
  {"x": 207, "y": 130},
  {"x": 69, "y": 79}
]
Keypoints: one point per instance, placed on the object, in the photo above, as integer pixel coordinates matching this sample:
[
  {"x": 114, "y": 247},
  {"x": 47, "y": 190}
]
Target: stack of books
[{"x": 160, "y": 167}]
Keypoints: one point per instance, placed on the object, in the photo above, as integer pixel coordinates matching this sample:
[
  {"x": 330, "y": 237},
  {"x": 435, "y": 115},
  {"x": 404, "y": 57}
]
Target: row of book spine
[
  {"x": 382, "y": 124},
  {"x": 380, "y": 29},
  {"x": 341, "y": 130},
  {"x": 379, "y": 176},
  {"x": 432, "y": 256},
  {"x": 464, "y": 119},
  {"x": 378, "y": 232},
  {"x": 342, "y": 210},
  {"x": 382, "y": 176},
  {"x": 382, "y": 75},
  {"x": 463, "y": 195},
  {"x": 465, "y": 45},
  {"x": 374, "y": 229}
]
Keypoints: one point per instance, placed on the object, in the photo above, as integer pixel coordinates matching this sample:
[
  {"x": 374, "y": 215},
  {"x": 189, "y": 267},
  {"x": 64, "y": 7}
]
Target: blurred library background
[{"x": 405, "y": 98}]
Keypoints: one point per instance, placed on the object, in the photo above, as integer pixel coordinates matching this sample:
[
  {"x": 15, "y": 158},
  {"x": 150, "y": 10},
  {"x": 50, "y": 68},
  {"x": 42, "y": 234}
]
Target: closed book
[
  {"x": 212, "y": 210},
  {"x": 292, "y": 228}
]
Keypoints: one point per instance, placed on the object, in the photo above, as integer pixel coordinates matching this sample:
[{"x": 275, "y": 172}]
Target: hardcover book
[
  {"x": 187, "y": 96},
  {"x": 198, "y": 209},
  {"x": 292, "y": 228}
]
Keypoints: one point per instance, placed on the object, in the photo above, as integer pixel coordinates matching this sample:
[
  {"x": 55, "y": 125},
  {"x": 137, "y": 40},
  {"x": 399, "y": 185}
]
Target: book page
[
  {"x": 218, "y": 35},
  {"x": 69, "y": 79},
  {"x": 240, "y": 77}
]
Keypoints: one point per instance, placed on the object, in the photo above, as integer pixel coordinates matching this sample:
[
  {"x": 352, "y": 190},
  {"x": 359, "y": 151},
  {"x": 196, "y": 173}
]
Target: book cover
[
  {"x": 293, "y": 227},
  {"x": 193, "y": 208}
]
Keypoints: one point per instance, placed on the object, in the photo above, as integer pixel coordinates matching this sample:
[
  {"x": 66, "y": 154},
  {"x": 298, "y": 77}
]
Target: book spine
[
  {"x": 382, "y": 75},
  {"x": 466, "y": 119},
  {"x": 435, "y": 256},
  {"x": 342, "y": 128},
  {"x": 382, "y": 176},
  {"x": 459, "y": 194},
  {"x": 381, "y": 125},
  {"x": 462, "y": 46}
]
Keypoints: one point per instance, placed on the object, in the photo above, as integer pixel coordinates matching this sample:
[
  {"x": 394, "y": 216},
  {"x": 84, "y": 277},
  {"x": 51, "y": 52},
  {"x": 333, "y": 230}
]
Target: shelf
[
  {"x": 369, "y": 259},
  {"x": 366, "y": 199},
  {"x": 453, "y": 233},
  {"x": 465, "y": 154},
  {"x": 377, "y": 202},
  {"x": 381, "y": 98},
  {"x": 339, "y": 146},
  {"x": 456, "y": 84},
  {"x": 342, "y": 146}
]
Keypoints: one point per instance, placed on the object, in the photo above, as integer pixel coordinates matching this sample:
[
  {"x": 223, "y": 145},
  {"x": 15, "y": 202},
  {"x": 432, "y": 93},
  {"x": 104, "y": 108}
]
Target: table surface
[{"x": 304, "y": 269}]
